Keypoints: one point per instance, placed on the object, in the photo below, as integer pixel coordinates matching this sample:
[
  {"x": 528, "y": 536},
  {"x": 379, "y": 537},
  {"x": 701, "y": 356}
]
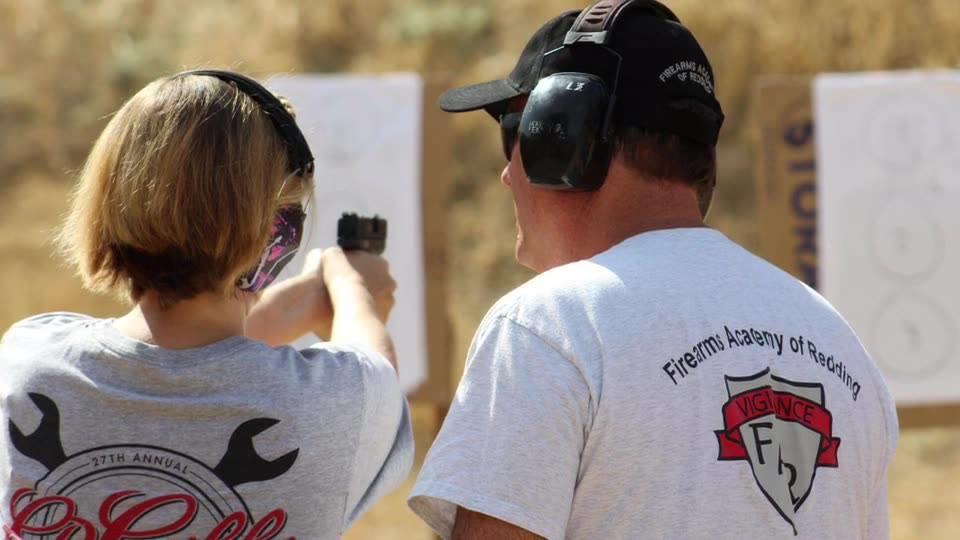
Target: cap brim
[{"x": 478, "y": 96}]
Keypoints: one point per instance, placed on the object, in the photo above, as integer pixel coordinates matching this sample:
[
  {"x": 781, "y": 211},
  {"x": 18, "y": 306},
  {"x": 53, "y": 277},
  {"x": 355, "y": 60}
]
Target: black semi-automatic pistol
[{"x": 368, "y": 234}]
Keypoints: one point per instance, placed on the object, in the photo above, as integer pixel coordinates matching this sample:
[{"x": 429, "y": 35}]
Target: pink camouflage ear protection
[{"x": 287, "y": 228}]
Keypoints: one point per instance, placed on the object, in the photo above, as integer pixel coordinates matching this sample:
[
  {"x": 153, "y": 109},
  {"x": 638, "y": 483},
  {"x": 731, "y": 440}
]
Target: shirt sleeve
[
  {"x": 878, "y": 518},
  {"x": 385, "y": 448},
  {"x": 510, "y": 446}
]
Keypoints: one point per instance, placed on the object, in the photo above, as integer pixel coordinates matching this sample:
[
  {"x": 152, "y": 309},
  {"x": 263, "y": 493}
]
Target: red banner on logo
[{"x": 788, "y": 407}]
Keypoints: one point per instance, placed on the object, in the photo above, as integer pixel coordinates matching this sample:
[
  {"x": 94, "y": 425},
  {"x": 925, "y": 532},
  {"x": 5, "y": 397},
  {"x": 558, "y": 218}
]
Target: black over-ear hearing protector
[
  {"x": 298, "y": 151},
  {"x": 566, "y": 131}
]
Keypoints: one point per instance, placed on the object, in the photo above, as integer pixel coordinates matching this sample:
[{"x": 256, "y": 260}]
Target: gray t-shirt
[
  {"x": 674, "y": 386},
  {"x": 99, "y": 432}
]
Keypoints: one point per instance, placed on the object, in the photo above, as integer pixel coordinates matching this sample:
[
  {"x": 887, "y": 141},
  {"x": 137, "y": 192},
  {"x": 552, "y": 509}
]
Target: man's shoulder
[
  {"x": 559, "y": 307},
  {"x": 563, "y": 288}
]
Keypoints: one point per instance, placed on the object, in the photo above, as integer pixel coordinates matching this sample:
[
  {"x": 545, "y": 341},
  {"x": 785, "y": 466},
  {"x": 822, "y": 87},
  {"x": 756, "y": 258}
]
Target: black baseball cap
[{"x": 666, "y": 82}]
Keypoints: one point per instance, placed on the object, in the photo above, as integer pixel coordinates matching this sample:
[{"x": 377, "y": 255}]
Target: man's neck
[
  {"x": 196, "y": 322},
  {"x": 624, "y": 208}
]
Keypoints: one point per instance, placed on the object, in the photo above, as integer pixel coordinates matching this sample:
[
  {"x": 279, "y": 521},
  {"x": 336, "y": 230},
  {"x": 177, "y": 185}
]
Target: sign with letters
[{"x": 786, "y": 175}]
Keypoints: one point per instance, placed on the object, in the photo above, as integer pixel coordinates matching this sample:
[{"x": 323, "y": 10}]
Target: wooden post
[
  {"x": 786, "y": 174},
  {"x": 436, "y": 159}
]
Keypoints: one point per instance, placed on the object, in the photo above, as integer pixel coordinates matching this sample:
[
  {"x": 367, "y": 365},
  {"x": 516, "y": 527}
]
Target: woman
[{"x": 186, "y": 417}]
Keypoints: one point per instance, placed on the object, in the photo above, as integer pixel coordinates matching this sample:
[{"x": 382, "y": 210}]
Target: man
[{"x": 656, "y": 380}]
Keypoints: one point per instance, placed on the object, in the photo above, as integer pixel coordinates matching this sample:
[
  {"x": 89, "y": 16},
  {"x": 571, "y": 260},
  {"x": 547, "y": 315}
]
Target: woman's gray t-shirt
[{"x": 102, "y": 433}]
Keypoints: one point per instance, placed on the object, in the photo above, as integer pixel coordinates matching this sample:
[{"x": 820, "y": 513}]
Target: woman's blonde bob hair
[{"x": 179, "y": 192}]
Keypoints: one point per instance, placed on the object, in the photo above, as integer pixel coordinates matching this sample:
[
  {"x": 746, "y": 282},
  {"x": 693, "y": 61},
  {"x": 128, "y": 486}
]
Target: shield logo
[{"x": 783, "y": 429}]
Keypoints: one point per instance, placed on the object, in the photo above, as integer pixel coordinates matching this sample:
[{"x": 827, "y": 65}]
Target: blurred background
[{"x": 66, "y": 65}]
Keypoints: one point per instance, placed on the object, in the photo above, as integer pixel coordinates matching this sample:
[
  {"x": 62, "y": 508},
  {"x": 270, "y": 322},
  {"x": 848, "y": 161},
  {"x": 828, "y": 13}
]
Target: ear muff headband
[
  {"x": 298, "y": 151},
  {"x": 595, "y": 23}
]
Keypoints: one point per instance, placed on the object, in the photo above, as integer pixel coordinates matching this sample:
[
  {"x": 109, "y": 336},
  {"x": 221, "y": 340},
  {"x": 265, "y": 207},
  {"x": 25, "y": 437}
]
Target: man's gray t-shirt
[
  {"x": 674, "y": 386},
  {"x": 102, "y": 433}
]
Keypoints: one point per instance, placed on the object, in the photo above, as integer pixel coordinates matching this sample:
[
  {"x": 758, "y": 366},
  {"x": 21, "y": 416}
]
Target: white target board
[
  {"x": 365, "y": 133},
  {"x": 889, "y": 193}
]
